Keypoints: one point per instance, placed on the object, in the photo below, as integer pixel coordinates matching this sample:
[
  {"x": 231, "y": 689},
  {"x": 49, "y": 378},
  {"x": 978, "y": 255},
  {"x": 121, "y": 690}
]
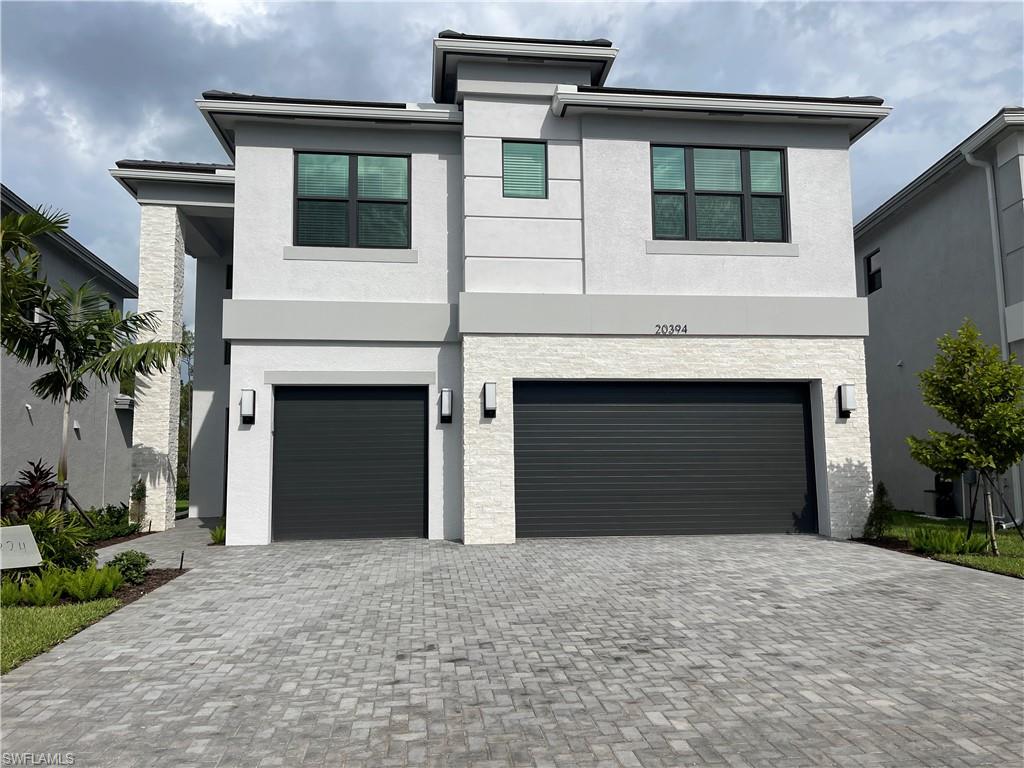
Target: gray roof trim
[
  {"x": 872, "y": 100},
  {"x": 860, "y": 116},
  {"x": 1007, "y": 117},
  {"x": 70, "y": 245},
  {"x": 450, "y": 34},
  {"x": 173, "y": 165}
]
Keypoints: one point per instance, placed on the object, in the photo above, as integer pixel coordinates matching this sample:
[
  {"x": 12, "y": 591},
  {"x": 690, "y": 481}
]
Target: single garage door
[
  {"x": 349, "y": 462},
  {"x": 647, "y": 458}
]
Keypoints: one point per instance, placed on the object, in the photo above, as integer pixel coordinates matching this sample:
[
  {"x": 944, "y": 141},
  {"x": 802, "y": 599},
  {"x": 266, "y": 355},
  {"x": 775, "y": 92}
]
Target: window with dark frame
[
  {"x": 227, "y": 352},
  {"x": 524, "y": 169},
  {"x": 352, "y": 201},
  {"x": 718, "y": 193},
  {"x": 872, "y": 272}
]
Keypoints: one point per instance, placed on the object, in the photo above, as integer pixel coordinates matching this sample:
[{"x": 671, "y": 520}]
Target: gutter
[{"x": 997, "y": 258}]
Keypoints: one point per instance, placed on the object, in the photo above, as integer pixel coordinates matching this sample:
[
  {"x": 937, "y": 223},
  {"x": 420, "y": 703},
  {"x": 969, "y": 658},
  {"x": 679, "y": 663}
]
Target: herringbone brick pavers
[{"x": 730, "y": 651}]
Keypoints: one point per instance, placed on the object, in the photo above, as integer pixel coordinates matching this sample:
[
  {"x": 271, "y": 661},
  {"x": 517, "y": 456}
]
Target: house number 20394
[{"x": 669, "y": 329}]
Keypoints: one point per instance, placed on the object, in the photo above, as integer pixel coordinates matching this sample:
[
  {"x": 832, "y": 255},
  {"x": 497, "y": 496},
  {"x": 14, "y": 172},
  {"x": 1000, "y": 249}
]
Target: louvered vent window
[{"x": 524, "y": 170}]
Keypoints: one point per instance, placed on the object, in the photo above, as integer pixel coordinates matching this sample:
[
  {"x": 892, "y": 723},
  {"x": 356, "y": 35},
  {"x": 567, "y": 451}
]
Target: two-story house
[
  {"x": 99, "y": 448},
  {"x": 948, "y": 246},
  {"x": 538, "y": 306}
]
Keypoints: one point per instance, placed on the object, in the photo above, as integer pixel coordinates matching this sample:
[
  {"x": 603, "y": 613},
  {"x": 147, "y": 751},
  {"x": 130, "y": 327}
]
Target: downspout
[{"x": 997, "y": 257}]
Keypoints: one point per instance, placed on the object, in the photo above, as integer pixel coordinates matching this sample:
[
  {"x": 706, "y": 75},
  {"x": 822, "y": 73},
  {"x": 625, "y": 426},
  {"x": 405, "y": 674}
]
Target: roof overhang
[
  {"x": 1006, "y": 120},
  {"x": 448, "y": 53},
  {"x": 858, "y": 116},
  {"x": 223, "y": 115},
  {"x": 133, "y": 179}
]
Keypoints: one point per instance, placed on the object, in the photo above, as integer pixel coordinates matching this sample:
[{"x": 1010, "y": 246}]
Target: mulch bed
[
  {"x": 118, "y": 539},
  {"x": 896, "y": 545},
  {"x": 155, "y": 577}
]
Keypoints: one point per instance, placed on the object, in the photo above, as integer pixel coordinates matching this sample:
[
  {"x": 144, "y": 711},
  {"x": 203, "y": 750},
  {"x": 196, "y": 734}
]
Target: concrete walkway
[{"x": 728, "y": 651}]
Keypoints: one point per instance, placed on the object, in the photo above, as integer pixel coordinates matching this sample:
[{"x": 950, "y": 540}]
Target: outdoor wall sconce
[
  {"x": 446, "y": 406},
  {"x": 248, "y": 406},
  {"x": 847, "y": 396},
  {"x": 77, "y": 429},
  {"x": 490, "y": 400}
]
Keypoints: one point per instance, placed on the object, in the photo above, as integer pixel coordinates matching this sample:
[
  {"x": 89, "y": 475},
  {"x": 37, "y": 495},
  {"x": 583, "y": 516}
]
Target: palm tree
[{"x": 73, "y": 332}]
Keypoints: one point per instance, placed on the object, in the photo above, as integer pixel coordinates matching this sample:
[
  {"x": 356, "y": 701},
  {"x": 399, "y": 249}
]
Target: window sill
[
  {"x": 718, "y": 248},
  {"x": 319, "y": 253}
]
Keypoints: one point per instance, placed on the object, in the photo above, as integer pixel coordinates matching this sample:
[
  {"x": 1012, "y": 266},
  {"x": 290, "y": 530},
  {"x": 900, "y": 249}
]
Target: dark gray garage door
[
  {"x": 349, "y": 462},
  {"x": 622, "y": 458}
]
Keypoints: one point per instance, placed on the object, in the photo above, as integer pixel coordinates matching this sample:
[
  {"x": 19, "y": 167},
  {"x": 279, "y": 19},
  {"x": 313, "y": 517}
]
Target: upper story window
[
  {"x": 872, "y": 272},
  {"x": 352, "y": 201},
  {"x": 524, "y": 169},
  {"x": 715, "y": 193}
]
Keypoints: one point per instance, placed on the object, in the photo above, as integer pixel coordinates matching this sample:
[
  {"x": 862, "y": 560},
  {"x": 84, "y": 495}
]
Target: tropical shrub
[
  {"x": 132, "y": 565},
  {"x": 92, "y": 583},
  {"x": 882, "y": 514},
  {"x": 219, "y": 534},
  {"x": 61, "y": 538},
  {"x": 111, "y": 522},
  {"x": 34, "y": 490},
  {"x": 940, "y": 541},
  {"x": 138, "y": 498},
  {"x": 43, "y": 588},
  {"x": 9, "y": 591}
]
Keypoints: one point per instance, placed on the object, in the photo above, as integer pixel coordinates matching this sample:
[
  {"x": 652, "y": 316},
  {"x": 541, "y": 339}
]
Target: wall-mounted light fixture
[
  {"x": 490, "y": 400},
  {"x": 446, "y": 406},
  {"x": 248, "y": 406},
  {"x": 77, "y": 428},
  {"x": 847, "y": 398}
]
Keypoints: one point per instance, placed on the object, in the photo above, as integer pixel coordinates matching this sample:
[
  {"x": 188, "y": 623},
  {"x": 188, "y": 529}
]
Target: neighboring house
[
  {"x": 99, "y": 454},
  {"x": 535, "y": 307},
  {"x": 948, "y": 246}
]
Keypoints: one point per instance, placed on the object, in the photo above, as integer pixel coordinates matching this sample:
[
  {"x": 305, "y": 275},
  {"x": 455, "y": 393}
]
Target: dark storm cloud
[{"x": 85, "y": 84}]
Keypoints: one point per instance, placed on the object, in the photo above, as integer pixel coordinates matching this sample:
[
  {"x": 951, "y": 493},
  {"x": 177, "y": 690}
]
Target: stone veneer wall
[
  {"x": 489, "y": 466},
  {"x": 155, "y": 423}
]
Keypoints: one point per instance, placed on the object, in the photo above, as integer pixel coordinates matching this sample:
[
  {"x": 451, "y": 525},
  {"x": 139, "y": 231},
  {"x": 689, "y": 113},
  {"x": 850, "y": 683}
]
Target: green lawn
[
  {"x": 1011, "y": 547},
  {"x": 181, "y": 505},
  {"x": 27, "y": 632}
]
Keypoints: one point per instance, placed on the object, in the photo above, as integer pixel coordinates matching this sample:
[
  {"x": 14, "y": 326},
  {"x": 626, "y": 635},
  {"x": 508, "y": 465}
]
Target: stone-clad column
[{"x": 155, "y": 427}]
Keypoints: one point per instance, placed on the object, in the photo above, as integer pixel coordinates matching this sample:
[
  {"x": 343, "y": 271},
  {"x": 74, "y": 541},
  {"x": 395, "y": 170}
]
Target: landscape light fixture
[
  {"x": 490, "y": 400},
  {"x": 248, "y": 406}
]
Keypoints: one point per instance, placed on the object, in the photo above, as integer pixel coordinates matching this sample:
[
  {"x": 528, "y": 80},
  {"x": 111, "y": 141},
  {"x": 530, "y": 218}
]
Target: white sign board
[{"x": 18, "y": 547}]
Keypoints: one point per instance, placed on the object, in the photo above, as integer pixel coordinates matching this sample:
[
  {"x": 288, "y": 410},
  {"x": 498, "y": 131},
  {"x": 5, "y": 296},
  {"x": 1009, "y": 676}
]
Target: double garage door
[
  {"x": 591, "y": 459},
  {"x": 636, "y": 458}
]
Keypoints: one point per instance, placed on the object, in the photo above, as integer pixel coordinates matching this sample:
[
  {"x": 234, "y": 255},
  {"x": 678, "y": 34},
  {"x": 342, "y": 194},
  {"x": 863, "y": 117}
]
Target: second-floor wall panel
[
  {"x": 522, "y": 244},
  {"x": 621, "y": 255},
  {"x": 268, "y": 264}
]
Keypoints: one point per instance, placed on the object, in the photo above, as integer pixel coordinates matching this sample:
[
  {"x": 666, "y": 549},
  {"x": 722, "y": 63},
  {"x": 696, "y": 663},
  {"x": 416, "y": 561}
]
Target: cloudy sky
[{"x": 85, "y": 84}]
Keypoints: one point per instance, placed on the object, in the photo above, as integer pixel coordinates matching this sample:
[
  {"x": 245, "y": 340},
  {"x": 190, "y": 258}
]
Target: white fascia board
[
  {"x": 432, "y": 114},
  {"x": 123, "y": 175},
  {"x": 582, "y": 53},
  {"x": 1007, "y": 118},
  {"x": 568, "y": 96}
]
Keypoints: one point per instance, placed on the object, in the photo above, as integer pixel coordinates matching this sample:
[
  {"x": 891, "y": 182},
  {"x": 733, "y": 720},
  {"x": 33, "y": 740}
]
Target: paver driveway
[{"x": 773, "y": 651}]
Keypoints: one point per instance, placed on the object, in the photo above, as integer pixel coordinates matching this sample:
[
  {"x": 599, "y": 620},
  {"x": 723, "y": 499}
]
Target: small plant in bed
[
  {"x": 219, "y": 534},
  {"x": 132, "y": 564},
  {"x": 111, "y": 524}
]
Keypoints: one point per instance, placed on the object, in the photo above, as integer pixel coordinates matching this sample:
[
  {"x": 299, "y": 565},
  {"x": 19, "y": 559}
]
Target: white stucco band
[{"x": 842, "y": 446}]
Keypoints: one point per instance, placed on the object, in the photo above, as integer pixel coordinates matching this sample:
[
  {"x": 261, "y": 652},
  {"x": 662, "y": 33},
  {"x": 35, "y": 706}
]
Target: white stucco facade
[{"x": 569, "y": 286}]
